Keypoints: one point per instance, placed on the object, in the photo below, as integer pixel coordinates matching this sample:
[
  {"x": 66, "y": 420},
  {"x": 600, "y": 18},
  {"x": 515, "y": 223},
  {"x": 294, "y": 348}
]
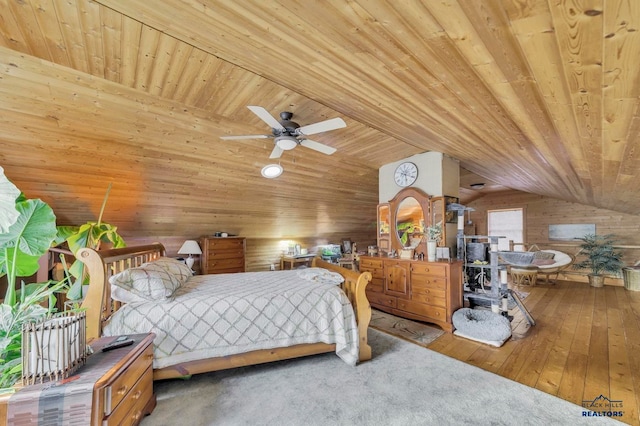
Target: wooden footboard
[
  {"x": 104, "y": 263},
  {"x": 354, "y": 286}
]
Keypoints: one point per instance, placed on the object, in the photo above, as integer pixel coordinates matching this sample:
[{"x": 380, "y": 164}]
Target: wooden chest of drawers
[
  {"x": 426, "y": 291},
  {"x": 222, "y": 255}
]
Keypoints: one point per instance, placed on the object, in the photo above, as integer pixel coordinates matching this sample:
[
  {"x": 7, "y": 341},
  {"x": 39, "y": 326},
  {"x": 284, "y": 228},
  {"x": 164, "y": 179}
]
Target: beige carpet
[
  {"x": 403, "y": 384},
  {"x": 416, "y": 332}
]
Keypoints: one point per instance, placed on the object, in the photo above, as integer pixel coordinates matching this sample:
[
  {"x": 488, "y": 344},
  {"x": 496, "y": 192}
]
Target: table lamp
[{"x": 190, "y": 247}]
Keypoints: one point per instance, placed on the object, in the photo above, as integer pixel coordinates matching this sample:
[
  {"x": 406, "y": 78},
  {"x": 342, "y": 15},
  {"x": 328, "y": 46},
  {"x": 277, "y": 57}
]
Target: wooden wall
[
  {"x": 540, "y": 212},
  {"x": 262, "y": 252}
]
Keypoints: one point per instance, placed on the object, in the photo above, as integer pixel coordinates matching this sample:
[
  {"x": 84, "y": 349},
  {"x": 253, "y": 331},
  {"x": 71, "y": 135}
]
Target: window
[{"x": 508, "y": 223}]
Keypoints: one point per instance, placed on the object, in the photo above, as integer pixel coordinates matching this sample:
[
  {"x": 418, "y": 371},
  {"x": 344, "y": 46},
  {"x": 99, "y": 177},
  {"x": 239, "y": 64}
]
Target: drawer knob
[
  {"x": 136, "y": 416},
  {"x": 137, "y": 395},
  {"x": 122, "y": 390}
]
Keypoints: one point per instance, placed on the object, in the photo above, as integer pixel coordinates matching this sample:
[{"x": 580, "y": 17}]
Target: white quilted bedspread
[{"x": 225, "y": 314}]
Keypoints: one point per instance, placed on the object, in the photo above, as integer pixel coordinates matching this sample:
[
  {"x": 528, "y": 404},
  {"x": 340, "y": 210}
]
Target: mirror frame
[
  {"x": 423, "y": 201},
  {"x": 384, "y": 239}
]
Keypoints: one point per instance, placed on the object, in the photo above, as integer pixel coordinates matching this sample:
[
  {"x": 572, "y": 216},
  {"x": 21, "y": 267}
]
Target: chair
[
  {"x": 561, "y": 261},
  {"x": 544, "y": 263},
  {"x": 524, "y": 275},
  {"x": 349, "y": 261}
]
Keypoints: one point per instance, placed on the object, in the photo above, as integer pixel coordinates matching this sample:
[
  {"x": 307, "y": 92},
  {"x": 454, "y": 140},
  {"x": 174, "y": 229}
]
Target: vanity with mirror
[
  {"x": 403, "y": 221},
  {"x": 410, "y": 286}
]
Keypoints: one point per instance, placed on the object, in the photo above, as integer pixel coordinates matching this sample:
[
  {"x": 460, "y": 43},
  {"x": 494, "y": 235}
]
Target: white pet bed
[{"x": 482, "y": 326}]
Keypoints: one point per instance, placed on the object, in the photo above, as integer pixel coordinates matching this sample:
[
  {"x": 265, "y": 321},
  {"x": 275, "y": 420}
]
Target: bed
[{"x": 346, "y": 316}]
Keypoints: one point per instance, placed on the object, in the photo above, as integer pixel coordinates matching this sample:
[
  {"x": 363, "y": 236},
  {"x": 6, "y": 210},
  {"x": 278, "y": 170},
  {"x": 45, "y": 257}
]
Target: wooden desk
[
  {"x": 112, "y": 388},
  {"x": 293, "y": 260}
]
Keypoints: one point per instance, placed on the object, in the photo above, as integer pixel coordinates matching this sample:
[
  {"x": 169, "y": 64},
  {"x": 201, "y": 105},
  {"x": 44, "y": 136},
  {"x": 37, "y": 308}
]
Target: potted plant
[
  {"x": 434, "y": 233},
  {"x": 601, "y": 256},
  {"x": 27, "y": 229}
]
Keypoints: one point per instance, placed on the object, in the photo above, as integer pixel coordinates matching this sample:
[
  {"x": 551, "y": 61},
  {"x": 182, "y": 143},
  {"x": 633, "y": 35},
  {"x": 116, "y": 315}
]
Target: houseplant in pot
[
  {"x": 27, "y": 229},
  {"x": 434, "y": 233},
  {"x": 600, "y": 257}
]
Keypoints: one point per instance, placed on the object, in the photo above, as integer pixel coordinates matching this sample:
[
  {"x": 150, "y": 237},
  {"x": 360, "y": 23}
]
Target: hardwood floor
[{"x": 586, "y": 343}]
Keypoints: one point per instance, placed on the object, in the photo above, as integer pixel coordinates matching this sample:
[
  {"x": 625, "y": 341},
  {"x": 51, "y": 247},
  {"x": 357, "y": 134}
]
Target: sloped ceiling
[{"x": 532, "y": 95}]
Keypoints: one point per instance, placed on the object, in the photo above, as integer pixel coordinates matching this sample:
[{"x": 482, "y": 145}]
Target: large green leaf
[
  {"x": 26, "y": 265},
  {"x": 8, "y": 194},
  {"x": 30, "y": 236},
  {"x": 34, "y": 230},
  {"x": 65, "y": 232}
]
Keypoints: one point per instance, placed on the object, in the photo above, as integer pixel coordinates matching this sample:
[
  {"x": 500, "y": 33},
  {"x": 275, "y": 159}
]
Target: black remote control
[{"x": 117, "y": 344}]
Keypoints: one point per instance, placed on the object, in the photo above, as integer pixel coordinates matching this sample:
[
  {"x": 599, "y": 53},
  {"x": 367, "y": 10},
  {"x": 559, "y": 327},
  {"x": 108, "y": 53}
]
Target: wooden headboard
[{"x": 100, "y": 265}]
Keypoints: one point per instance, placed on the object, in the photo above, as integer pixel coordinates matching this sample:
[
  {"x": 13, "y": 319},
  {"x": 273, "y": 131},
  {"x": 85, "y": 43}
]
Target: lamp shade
[{"x": 190, "y": 247}]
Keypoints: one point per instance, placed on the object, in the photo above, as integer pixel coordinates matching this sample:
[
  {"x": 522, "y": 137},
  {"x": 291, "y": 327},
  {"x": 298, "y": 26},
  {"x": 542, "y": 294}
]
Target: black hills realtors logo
[{"x": 602, "y": 406}]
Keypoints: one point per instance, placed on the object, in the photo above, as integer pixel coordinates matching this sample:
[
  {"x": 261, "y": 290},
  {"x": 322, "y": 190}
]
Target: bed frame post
[
  {"x": 354, "y": 285},
  {"x": 94, "y": 301}
]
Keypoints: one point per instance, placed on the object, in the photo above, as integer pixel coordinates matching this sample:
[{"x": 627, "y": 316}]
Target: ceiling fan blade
[
  {"x": 276, "y": 153},
  {"x": 317, "y": 146},
  {"x": 264, "y": 115},
  {"x": 323, "y": 126},
  {"x": 233, "y": 138}
]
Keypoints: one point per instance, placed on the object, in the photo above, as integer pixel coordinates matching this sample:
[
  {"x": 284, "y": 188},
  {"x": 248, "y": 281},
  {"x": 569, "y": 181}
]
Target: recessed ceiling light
[
  {"x": 271, "y": 171},
  {"x": 476, "y": 185}
]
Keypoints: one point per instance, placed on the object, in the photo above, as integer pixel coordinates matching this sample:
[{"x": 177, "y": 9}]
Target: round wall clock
[{"x": 406, "y": 174}]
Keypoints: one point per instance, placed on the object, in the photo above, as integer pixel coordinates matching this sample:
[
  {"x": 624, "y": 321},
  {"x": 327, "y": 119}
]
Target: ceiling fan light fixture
[
  {"x": 286, "y": 142},
  {"x": 477, "y": 185},
  {"x": 271, "y": 171}
]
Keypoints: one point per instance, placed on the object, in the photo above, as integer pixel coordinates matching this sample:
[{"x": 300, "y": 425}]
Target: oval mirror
[{"x": 410, "y": 222}]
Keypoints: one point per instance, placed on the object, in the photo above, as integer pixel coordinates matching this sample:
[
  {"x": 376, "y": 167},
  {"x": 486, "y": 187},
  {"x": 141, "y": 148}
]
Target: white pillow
[
  {"x": 150, "y": 281},
  {"x": 125, "y": 296},
  {"x": 173, "y": 266},
  {"x": 320, "y": 275}
]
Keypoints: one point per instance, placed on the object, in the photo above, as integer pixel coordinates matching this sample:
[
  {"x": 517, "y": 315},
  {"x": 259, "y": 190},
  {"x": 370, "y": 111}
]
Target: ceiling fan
[{"x": 288, "y": 134}]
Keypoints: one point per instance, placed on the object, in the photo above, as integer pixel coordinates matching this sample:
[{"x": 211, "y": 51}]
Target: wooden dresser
[
  {"x": 112, "y": 388},
  {"x": 415, "y": 289},
  {"x": 222, "y": 255}
]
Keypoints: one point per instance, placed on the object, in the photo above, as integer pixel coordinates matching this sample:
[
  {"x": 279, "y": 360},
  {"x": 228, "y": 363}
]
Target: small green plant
[
  {"x": 434, "y": 233},
  {"x": 601, "y": 256},
  {"x": 89, "y": 235}
]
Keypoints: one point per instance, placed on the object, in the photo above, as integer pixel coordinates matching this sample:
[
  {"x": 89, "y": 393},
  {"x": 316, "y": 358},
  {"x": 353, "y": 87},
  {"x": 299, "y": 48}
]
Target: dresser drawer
[
  {"x": 117, "y": 391},
  {"x": 130, "y": 409},
  {"x": 225, "y": 244},
  {"x": 422, "y": 282},
  {"x": 370, "y": 263},
  {"x": 236, "y": 265},
  {"x": 382, "y": 299},
  {"x": 375, "y": 273},
  {"x": 376, "y": 285},
  {"x": 435, "y": 298},
  {"x": 429, "y": 311},
  {"x": 420, "y": 268},
  {"x": 216, "y": 254}
]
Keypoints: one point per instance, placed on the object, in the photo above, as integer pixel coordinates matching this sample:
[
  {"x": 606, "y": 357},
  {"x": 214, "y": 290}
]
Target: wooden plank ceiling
[{"x": 538, "y": 96}]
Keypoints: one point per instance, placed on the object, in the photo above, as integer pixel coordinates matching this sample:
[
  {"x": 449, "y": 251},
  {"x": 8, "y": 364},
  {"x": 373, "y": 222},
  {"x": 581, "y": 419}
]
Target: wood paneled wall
[
  {"x": 540, "y": 212},
  {"x": 262, "y": 252}
]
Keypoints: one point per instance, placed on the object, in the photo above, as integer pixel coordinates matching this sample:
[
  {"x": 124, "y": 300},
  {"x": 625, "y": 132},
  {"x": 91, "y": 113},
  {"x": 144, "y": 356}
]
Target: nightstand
[{"x": 112, "y": 388}]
